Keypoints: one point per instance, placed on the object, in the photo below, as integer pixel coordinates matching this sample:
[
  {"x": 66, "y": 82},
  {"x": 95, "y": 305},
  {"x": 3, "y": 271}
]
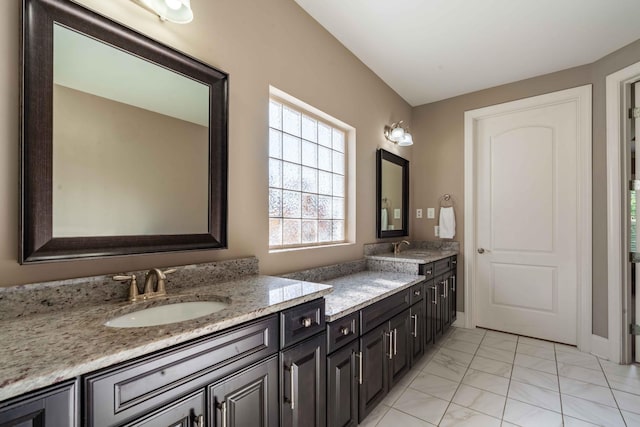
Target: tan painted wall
[
  {"x": 258, "y": 43},
  {"x": 438, "y": 156}
]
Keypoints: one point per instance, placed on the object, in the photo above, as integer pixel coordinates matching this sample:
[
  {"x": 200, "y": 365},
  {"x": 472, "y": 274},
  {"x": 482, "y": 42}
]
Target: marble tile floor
[{"x": 485, "y": 378}]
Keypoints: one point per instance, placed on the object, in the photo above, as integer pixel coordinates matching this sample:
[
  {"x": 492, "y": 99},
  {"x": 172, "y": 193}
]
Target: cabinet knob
[
  {"x": 344, "y": 330},
  {"x": 480, "y": 250},
  {"x": 306, "y": 322},
  {"x": 416, "y": 293}
]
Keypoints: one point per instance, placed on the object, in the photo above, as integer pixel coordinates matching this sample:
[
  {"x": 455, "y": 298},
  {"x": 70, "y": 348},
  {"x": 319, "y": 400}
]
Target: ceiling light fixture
[
  {"x": 398, "y": 134},
  {"x": 176, "y": 11}
]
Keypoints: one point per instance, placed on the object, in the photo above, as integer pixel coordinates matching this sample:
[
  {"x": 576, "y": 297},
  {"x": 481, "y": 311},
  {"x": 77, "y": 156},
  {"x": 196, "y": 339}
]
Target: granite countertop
[
  {"x": 43, "y": 349},
  {"x": 414, "y": 256},
  {"x": 355, "y": 291}
]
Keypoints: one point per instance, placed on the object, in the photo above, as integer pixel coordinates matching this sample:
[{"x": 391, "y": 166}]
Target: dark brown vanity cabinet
[
  {"x": 453, "y": 289},
  {"x": 441, "y": 294},
  {"x": 374, "y": 354},
  {"x": 303, "y": 361},
  {"x": 343, "y": 378},
  {"x": 419, "y": 322},
  {"x": 303, "y": 383},
  {"x": 431, "y": 311},
  {"x": 53, "y": 407},
  {"x": 185, "y": 412},
  {"x": 249, "y": 398}
]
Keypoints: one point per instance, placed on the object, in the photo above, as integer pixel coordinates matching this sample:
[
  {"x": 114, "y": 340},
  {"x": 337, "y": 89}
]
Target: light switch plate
[
  {"x": 396, "y": 214},
  {"x": 418, "y": 213},
  {"x": 431, "y": 213},
  {"x": 436, "y": 230}
]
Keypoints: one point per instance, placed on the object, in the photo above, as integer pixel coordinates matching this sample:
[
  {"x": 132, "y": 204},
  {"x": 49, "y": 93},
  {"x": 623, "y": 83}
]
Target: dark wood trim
[
  {"x": 36, "y": 238},
  {"x": 404, "y": 163}
]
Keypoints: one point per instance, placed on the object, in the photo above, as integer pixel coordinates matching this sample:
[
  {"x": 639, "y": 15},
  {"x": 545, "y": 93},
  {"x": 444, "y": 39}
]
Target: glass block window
[{"x": 306, "y": 179}]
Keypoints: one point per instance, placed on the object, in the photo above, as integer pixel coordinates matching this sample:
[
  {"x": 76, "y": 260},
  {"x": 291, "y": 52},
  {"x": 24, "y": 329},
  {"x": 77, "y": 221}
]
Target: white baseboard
[
  {"x": 459, "y": 323},
  {"x": 600, "y": 347}
]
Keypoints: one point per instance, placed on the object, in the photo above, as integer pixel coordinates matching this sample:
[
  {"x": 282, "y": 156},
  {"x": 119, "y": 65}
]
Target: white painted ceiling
[{"x": 428, "y": 50}]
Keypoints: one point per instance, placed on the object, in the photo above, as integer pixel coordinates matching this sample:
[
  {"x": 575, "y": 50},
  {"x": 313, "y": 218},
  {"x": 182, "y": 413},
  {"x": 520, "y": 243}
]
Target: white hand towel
[
  {"x": 447, "y": 223},
  {"x": 384, "y": 220}
]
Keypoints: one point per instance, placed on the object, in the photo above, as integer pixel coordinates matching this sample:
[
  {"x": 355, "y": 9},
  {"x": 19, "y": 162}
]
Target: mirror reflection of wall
[
  {"x": 391, "y": 215},
  {"x": 130, "y": 144}
]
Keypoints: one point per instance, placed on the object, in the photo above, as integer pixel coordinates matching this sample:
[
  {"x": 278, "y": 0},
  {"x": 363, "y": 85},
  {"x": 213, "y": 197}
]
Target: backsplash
[
  {"x": 329, "y": 272},
  {"x": 38, "y": 298},
  {"x": 381, "y": 248}
]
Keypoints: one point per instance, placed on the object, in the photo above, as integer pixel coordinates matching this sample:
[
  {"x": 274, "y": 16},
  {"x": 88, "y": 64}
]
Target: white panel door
[{"x": 527, "y": 185}]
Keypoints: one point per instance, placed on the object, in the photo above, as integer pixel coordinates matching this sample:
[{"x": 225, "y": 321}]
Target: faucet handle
[{"x": 133, "y": 288}]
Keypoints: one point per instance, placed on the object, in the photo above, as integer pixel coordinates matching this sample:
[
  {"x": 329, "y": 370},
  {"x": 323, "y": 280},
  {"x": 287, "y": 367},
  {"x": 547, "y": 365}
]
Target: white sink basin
[{"x": 165, "y": 314}]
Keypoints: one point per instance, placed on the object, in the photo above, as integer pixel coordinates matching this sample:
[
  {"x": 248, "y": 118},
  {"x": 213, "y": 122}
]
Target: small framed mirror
[
  {"x": 124, "y": 141},
  {"x": 392, "y": 195}
]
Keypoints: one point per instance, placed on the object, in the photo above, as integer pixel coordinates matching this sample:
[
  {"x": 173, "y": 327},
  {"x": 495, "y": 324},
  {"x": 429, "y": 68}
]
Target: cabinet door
[
  {"x": 303, "y": 383},
  {"x": 453, "y": 296},
  {"x": 400, "y": 328},
  {"x": 55, "y": 407},
  {"x": 417, "y": 331},
  {"x": 438, "y": 317},
  {"x": 446, "y": 301},
  {"x": 431, "y": 302},
  {"x": 249, "y": 398},
  {"x": 374, "y": 348},
  {"x": 185, "y": 412},
  {"x": 343, "y": 375}
]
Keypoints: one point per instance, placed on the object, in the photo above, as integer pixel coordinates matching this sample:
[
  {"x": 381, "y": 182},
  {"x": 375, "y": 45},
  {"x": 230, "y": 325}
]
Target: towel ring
[{"x": 446, "y": 201}]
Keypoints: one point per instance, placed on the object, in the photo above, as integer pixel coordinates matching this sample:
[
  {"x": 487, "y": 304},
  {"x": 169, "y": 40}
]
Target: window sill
[{"x": 302, "y": 248}]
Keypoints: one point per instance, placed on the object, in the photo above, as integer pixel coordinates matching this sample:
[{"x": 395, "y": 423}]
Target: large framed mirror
[
  {"x": 124, "y": 141},
  {"x": 392, "y": 195}
]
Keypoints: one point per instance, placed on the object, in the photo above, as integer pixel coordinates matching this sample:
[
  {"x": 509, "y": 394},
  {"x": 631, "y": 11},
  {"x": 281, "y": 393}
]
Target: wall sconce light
[
  {"x": 398, "y": 134},
  {"x": 176, "y": 11}
]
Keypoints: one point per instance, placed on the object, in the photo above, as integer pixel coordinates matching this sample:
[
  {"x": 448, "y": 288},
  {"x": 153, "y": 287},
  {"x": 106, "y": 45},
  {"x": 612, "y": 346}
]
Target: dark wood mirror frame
[
  {"x": 404, "y": 163},
  {"x": 37, "y": 243}
]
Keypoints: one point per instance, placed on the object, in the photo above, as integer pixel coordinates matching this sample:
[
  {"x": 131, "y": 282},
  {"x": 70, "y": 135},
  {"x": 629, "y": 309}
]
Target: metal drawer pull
[
  {"x": 294, "y": 384},
  {"x": 359, "y": 355},
  {"x": 344, "y": 330},
  {"x": 435, "y": 294},
  {"x": 416, "y": 293},
  {"x": 395, "y": 342},
  {"x": 446, "y": 288},
  {"x": 306, "y": 322},
  {"x": 453, "y": 281},
  {"x": 415, "y": 325},
  {"x": 223, "y": 415},
  {"x": 390, "y": 335}
]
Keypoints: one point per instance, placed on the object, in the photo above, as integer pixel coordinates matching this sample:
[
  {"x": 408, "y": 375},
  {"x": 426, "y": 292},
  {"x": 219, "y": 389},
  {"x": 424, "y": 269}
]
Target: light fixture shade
[
  {"x": 177, "y": 11},
  {"x": 406, "y": 140},
  {"x": 396, "y": 134}
]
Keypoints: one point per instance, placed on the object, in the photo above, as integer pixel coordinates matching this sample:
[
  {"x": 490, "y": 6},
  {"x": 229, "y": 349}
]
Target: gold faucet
[
  {"x": 396, "y": 246},
  {"x": 149, "y": 291}
]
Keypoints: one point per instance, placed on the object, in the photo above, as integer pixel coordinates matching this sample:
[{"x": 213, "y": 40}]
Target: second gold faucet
[{"x": 396, "y": 246}]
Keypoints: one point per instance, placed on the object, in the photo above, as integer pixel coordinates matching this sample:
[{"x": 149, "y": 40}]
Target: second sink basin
[{"x": 166, "y": 314}]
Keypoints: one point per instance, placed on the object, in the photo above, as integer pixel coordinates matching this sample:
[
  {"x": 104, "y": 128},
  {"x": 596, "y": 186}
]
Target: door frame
[
  {"x": 618, "y": 93},
  {"x": 581, "y": 96}
]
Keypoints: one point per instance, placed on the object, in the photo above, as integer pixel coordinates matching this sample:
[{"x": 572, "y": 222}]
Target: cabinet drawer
[
  {"x": 417, "y": 293},
  {"x": 301, "y": 322},
  {"x": 442, "y": 266},
  {"x": 342, "y": 331},
  {"x": 121, "y": 394},
  {"x": 426, "y": 270},
  {"x": 188, "y": 411},
  {"x": 375, "y": 314}
]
